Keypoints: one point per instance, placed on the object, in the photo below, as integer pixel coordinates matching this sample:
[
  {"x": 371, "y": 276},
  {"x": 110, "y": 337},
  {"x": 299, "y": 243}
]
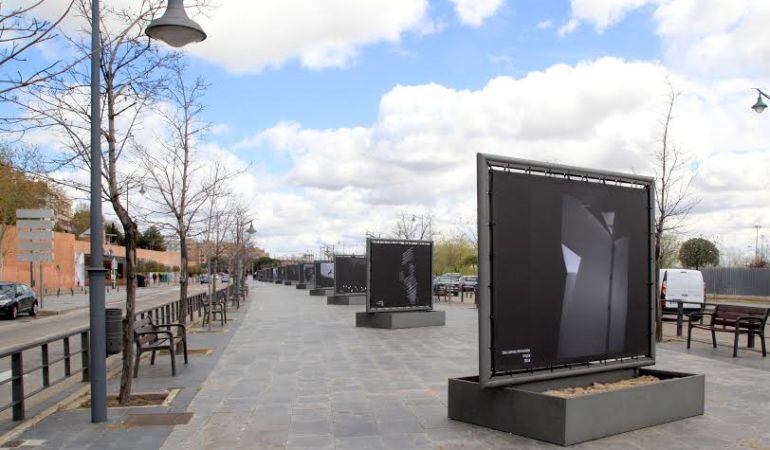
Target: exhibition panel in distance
[
  {"x": 400, "y": 275},
  {"x": 349, "y": 274}
]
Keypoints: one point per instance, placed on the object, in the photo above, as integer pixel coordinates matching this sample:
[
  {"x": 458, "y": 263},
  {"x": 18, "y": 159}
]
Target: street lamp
[
  {"x": 176, "y": 29},
  {"x": 251, "y": 229},
  {"x": 760, "y": 106}
]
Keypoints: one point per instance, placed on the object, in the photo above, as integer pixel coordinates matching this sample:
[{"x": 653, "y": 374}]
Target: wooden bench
[
  {"x": 218, "y": 307},
  {"x": 151, "y": 337},
  {"x": 749, "y": 320}
]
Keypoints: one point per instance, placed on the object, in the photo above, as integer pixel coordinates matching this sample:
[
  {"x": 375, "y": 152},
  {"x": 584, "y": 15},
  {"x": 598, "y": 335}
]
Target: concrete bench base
[
  {"x": 287, "y": 283},
  {"x": 278, "y": 281},
  {"x": 301, "y": 286},
  {"x": 346, "y": 300},
  {"x": 400, "y": 319},
  {"x": 320, "y": 291},
  {"x": 523, "y": 409}
]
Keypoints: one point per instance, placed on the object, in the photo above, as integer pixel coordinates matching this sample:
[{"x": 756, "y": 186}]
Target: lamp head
[
  {"x": 251, "y": 229},
  {"x": 759, "y": 106},
  {"x": 174, "y": 27}
]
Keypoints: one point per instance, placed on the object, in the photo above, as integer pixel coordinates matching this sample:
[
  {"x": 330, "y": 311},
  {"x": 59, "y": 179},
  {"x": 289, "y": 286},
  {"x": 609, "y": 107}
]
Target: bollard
[{"x": 679, "y": 312}]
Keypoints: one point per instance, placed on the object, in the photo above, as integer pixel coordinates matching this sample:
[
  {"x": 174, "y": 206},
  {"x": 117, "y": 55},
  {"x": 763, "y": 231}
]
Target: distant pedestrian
[{"x": 154, "y": 278}]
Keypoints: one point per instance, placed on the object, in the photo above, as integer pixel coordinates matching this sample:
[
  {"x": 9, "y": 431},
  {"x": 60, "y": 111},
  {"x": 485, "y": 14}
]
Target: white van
[{"x": 681, "y": 284}]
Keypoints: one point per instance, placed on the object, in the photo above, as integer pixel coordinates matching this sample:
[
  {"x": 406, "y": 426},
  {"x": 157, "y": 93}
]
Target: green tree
[
  {"x": 698, "y": 252},
  {"x": 113, "y": 233},
  {"x": 454, "y": 254},
  {"x": 151, "y": 239},
  {"x": 81, "y": 219}
]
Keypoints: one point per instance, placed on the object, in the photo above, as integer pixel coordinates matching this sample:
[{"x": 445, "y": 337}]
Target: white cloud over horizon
[{"x": 419, "y": 154}]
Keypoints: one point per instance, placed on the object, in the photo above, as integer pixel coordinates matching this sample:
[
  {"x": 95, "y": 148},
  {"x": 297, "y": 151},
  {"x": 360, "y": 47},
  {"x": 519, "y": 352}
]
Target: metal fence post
[
  {"x": 17, "y": 386},
  {"x": 44, "y": 358},
  {"x": 84, "y": 355},
  {"x": 679, "y": 312}
]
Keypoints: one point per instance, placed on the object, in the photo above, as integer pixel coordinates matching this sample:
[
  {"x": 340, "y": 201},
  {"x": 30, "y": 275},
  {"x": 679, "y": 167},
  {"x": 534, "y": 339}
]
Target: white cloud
[
  {"x": 420, "y": 152},
  {"x": 544, "y": 25},
  {"x": 474, "y": 12},
  {"x": 249, "y": 36},
  {"x": 600, "y": 13}
]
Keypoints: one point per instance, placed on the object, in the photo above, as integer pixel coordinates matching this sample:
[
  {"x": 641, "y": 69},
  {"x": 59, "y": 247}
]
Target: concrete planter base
[
  {"x": 346, "y": 300},
  {"x": 287, "y": 283},
  {"x": 524, "y": 410},
  {"x": 278, "y": 282},
  {"x": 400, "y": 319},
  {"x": 320, "y": 291},
  {"x": 301, "y": 286}
]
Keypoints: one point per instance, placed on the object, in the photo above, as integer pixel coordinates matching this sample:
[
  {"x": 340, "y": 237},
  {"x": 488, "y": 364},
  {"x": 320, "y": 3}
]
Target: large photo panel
[
  {"x": 349, "y": 274},
  {"x": 324, "y": 271},
  {"x": 308, "y": 273},
  {"x": 570, "y": 281},
  {"x": 400, "y": 275}
]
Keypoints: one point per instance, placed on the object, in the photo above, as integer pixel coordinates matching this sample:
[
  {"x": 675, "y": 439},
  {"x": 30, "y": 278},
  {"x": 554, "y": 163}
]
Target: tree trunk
[
  {"x": 183, "y": 278},
  {"x": 126, "y": 378}
]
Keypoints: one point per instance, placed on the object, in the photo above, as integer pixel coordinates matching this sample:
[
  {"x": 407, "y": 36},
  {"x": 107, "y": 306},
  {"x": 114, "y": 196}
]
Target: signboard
[
  {"x": 324, "y": 271},
  {"x": 400, "y": 275},
  {"x": 34, "y": 257},
  {"x": 570, "y": 288},
  {"x": 35, "y": 240},
  {"x": 308, "y": 273},
  {"x": 349, "y": 274}
]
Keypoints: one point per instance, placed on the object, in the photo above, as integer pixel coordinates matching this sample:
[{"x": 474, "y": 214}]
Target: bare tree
[
  {"x": 410, "y": 226},
  {"x": 21, "y": 31},
  {"x": 218, "y": 220},
  {"x": 132, "y": 71},
  {"x": 674, "y": 201},
  {"x": 173, "y": 172}
]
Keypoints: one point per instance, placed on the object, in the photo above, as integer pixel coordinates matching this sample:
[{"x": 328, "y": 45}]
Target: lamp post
[
  {"x": 176, "y": 29},
  {"x": 760, "y": 105}
]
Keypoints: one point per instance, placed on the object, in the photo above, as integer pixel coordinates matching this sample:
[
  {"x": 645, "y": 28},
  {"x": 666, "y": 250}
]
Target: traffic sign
[
  {"x": 35, "y": 257},
  {"x": 35, "y": 235},
  {"x": 35, "y": 213},
  {"x": 35, "y": 224},
  {"x": 35, "y": 246}
]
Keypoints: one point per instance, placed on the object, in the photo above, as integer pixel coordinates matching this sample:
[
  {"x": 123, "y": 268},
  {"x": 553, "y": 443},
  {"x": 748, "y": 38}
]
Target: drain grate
[{"x": 157, "y": 419}]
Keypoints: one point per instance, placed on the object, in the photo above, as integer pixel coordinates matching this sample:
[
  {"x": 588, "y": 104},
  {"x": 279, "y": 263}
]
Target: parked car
[
  {"x": 225, "y": 278},
  {"x": 468, "y": 283},
  {"x": 684, "y": 285},
  {"x": 446, "y": 282},
  {"x": 204, "y": 279},
  {"x": 17, "y": 298}
]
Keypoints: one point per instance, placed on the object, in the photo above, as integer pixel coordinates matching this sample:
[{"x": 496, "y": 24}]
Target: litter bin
[
  {"x": 141, "y": 280},
  {"x": 114, "y": 328}
]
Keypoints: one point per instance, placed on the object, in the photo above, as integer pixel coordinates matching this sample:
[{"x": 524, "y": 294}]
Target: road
[{"x": 28, "y": 329}]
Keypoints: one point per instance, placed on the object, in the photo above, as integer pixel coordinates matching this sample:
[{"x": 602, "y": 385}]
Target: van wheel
[
  {"x": 14, "y": 313},
  {"x": 33, "y": 312}
]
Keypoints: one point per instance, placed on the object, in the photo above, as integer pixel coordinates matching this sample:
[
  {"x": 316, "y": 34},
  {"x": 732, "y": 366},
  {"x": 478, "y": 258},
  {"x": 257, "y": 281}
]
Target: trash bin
[
  {"x": 141, "y": 280},
  {"x": 114, "y": 328}
]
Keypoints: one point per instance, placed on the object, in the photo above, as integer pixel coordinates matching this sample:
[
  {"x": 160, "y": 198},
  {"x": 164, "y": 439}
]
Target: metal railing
[{"x": 162, "y": 314}]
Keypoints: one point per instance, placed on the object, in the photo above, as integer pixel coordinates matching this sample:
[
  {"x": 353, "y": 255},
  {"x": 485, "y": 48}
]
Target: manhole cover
[{"x": 158, "y": 419}]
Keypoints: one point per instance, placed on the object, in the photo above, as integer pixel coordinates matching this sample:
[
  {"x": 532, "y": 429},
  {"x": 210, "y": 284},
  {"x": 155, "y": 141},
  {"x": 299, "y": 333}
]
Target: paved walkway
[
  {"x": 298, "y": 374},
  {"x": 295, "y": 373}
]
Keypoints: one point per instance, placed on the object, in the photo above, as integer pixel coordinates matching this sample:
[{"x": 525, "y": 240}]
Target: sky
[{"x": 348, "y": 113}]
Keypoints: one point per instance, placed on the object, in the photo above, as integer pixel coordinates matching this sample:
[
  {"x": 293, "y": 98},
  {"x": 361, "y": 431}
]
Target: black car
[{"x": 17, "y": 298}]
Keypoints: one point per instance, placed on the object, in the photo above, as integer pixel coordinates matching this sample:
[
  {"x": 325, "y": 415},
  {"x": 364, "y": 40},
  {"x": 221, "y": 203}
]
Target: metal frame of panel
[{"x": 486, "y": 163}]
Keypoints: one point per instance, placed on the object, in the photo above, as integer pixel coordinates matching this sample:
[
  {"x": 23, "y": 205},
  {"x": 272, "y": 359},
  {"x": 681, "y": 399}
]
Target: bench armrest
[
  {"x": 143, "y": 333},
  {"x": 177, "y": 325},
  {"x": 697, "y": 315},
  {"x": 755, "y": 319}
]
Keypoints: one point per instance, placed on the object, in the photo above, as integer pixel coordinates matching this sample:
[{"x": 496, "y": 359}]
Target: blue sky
[
  {"x": 461, "y": 57},
  {"x": 352, "y": 112}
]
